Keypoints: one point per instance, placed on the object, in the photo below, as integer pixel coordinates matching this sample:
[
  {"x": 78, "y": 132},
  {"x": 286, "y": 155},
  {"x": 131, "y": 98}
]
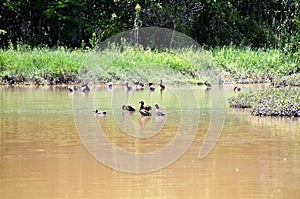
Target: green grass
[
  {"x": 29, "y": 64},
  {"x": 133, "y": 64},
  {"x": 114, "y": 64},
  {"x": 247, "y": 65}
]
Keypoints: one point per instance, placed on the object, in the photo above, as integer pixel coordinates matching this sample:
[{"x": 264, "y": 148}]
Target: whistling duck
[
  {"x": 237, "y": 89},
  {"x": 143, "y": 111},
  {"x": 208, "y": 85},
  {"x": 128, "y": 107},
  {"x": 158, "y": 111},
  {"x": 85, "y": 88},
  {"x": 162, "y": 87},
  {"x": 99, "y": 113},
  {"x": 129, "y": 88},
  {"x": 72, "y": 88},
  {"x": 152, "y": 88},
  {"x": 135, "y": 82},
  {"x": 140, "y": 86},
  {"x": 145, "y": 106},
  {"x": 110, "y": 85}
]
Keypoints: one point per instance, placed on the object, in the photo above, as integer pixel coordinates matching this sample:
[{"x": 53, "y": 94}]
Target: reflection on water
[{"x": 42, "y": 155}]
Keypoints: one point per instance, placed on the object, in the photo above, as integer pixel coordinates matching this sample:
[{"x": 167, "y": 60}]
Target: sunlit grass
[
  {"x": 128, "y": 63},
  {"x": 256, "y": 65},
  {"x": 146, "y": 65},
  {"x": 39, "y": 62}
]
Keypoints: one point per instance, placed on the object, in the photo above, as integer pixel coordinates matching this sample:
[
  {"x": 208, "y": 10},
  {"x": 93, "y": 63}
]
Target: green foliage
[
  {"x": 71, "y": 23},
  {"x": 2, "y": 32},
  {"x": 270, "y": 102}
]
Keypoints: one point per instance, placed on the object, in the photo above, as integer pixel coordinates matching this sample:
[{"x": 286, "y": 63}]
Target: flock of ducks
[{"x": 144, "y": 108}]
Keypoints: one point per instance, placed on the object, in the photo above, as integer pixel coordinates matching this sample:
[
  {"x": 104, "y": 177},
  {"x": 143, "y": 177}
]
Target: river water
[{"x": 53, "y": 146}]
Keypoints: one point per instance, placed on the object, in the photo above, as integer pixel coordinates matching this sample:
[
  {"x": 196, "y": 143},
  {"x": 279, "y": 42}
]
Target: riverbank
[
  {"x": 229, "y": 65},
  {"x": 23, "y": 65}
]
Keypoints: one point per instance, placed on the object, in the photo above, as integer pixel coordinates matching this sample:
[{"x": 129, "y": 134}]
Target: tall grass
[
  {"x": 145, "y": 65},
  {"x": 246, "y": 61},
  {"x": 128, "y": 63},
  {"x": 33, "y": 63}
]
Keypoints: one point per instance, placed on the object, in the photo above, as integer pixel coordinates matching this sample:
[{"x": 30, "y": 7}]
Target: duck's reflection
[{"x": 144, "y": 120}]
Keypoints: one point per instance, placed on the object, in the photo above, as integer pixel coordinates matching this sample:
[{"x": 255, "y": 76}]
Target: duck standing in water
[
  {"x": 85, "y": 88},
  {"x": 151, "y": 87},
  {"x": 145, "y": 106},
  {"x": 110, "y": 85},
  {"x": 162, "y": 87},
  {"x": 128, "y": 107},
  {"x": 129, "y": 87},
  {"x": 237, "y": 89},
  {"x": 99, "y": 113},
  {"x": 136, "y": 83},
  {"x": 72, "y": 89},
  {"x": 207, "y": 84},
  {"x": 158, "y": 111},
  {"x": 140, "y": 86},
  {"x": 143, "y": 111}
]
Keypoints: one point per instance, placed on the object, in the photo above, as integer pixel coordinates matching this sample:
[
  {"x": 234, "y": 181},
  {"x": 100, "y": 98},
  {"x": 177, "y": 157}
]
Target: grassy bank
[
  {"x": 235, "y": 65},
  {"x": 258, "y": 66},
  {"x": 43, "y": 65},
  {"x": 64, "y": 66},
  {"x": 39, "y": 64},
  {"x": 271, "y": 102}
]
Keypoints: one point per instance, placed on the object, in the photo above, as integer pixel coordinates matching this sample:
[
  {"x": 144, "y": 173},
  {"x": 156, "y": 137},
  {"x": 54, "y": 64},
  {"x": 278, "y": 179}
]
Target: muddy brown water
[{"x": 43, "y": 155}]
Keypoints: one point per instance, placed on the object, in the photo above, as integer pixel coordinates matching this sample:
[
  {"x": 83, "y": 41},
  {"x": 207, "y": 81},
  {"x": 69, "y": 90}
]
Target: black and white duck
[
  {"x": 158, "y": 111},
  {"x": 143, "y": 111},
  {"x": 128, "y": 107},
  {"x": 99, "y": 113}
]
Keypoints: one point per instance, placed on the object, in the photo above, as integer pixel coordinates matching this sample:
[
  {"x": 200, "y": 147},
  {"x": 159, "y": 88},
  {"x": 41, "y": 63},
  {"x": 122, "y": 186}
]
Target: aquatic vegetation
[
  {"x": 242, "y": 100},
  {"x": 270, "y": 102}
]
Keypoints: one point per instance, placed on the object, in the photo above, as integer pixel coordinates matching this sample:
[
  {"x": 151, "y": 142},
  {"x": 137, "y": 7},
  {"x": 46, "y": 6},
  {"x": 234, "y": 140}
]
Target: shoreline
[
  {"x": 121, "y": 83},
  {"x": 268, "y": 101}
]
